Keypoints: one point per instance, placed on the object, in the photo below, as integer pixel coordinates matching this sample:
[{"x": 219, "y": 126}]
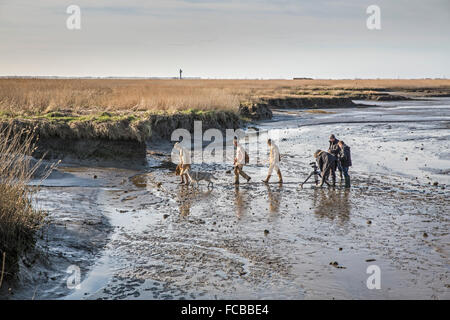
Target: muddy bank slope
[
  {"x": 325, "y": 102},
  {"x": 342, "y": 97},
  {"x": 307, "y": 102},
  {"x": 94, "y": 141}
]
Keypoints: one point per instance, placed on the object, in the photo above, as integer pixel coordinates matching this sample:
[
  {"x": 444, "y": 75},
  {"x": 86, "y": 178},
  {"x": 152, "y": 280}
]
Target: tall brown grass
[
  {"x": 37, "y": 96},
  {"x": 18, "y": 219},
  {"x": 28, "y": 97}
]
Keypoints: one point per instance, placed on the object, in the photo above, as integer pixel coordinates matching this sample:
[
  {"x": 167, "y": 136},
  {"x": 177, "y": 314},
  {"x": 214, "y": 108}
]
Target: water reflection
[
  {"x": 274, "y": 197},
  {"x": 332, "y": 204},
  {"x": 184, "y": 200},
  {"x": 186, "y": 197},
  {"x": 240, "y": 201},
  {"x": 139, "y": 181}
]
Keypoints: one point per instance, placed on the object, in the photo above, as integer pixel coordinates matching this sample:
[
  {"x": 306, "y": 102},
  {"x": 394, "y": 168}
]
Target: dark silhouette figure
[{"x": 181, "y": 74}]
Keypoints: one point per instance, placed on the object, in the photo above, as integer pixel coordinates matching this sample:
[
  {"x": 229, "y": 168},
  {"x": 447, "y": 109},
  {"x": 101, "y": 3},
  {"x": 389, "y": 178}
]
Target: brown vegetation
[
  {"x": 18, "y": 219},
  {"x": 29, "y": 97}
]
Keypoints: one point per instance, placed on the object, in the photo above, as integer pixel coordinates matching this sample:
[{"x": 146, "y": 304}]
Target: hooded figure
[{"x": 327, "y": 164}]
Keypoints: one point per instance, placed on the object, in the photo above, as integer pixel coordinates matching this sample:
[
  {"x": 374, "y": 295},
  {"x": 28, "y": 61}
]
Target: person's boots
[
  {"x": 246, "y": 176},
  {"x": 334, "y": 181},
  {"x": 267, "y": 179},
  {"x": 280, "y": 177},
  {"x": 347, "y": 182}
]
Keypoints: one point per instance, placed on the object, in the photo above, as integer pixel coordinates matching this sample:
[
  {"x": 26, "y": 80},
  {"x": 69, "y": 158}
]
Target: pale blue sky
[{"x": 226, "y": 38}]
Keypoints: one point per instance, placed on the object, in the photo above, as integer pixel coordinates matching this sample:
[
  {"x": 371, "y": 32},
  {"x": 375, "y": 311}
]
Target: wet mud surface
[{"x": 138, "y": 234}]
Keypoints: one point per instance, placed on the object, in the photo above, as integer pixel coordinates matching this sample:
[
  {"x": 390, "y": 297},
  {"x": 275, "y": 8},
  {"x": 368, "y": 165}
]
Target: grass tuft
[{"x": 19, "y": 221}]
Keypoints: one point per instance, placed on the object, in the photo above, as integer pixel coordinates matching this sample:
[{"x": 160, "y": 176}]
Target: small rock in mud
[
  {"x": 266, "y": 232},
  {"x": 336, "y": 265},
  {"x": 369, "y": 222},
  {"x": 406, "y": 159},
  {"x": 95, "y": 177},
  {"x": 165, "y": 216},
  {"x": 435, "y": 183},
  {"x": 425, "y": 235},
  {"x": 340, "y": 249},
  {"x": 370, "y": 260}
]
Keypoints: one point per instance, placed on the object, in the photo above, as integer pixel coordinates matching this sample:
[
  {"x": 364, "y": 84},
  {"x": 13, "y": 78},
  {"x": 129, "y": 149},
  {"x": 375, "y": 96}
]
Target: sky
[{"x": 267, "y": 39}]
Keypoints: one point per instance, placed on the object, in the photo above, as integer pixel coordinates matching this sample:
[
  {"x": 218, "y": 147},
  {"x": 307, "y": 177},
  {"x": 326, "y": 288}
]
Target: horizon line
[{"x": 200, "y": 78}]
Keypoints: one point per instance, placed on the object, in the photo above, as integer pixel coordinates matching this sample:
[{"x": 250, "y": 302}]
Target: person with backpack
[
  {"x": 240, "y": 160},
  {"x": 274, "y": 161}
]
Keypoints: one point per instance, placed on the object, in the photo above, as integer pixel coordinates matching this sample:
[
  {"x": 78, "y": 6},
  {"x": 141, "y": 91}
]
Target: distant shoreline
[{"x": 201, "y": 78}]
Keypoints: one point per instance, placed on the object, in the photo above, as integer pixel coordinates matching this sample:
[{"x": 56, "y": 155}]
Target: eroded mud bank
[{"x": 110, "y": 143}]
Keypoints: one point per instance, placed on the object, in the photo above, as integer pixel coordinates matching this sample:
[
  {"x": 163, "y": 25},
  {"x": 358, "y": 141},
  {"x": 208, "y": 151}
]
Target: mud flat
[
  {"x": 154, "y": 239},
  {"x": 74, "y": 236}
]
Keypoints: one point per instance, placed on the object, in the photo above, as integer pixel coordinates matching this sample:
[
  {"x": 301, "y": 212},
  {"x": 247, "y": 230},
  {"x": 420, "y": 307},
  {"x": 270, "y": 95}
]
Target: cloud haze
[{"x": 226, "y": 38}]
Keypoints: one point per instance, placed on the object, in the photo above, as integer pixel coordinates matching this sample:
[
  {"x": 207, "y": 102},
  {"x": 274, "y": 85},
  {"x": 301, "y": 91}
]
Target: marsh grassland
[{"x": 81, "y": 97}]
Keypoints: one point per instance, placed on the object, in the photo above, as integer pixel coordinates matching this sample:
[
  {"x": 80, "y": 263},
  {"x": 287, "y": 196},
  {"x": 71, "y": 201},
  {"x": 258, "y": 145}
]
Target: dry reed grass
[
  {"x": 29, "y": 97},
  {"x": 18, "y": 219}
]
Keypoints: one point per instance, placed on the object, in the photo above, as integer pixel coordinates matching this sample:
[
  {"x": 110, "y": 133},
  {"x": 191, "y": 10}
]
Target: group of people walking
[{"x": 338, "y": 157}]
